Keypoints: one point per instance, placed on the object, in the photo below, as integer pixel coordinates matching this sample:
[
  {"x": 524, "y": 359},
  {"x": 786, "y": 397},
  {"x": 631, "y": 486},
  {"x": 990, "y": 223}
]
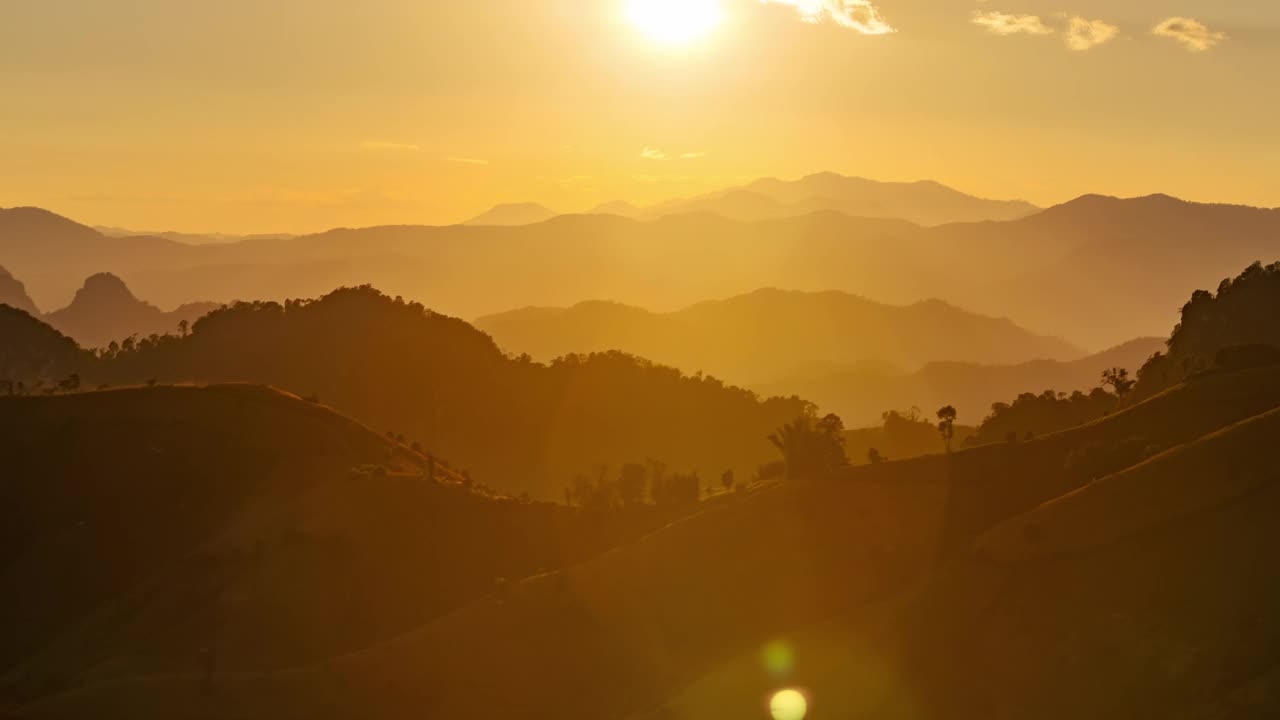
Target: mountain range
[
  {"x": 923, "y": 203},
  {"x": 103, "y": 310},
  {"x": 860, "y": 394},
  {"x": 440, "y": 382},
  {"x": 189, "y": 238},
  {"x": 769, "y": 334},
  {"x": 1059, "y": 270}
]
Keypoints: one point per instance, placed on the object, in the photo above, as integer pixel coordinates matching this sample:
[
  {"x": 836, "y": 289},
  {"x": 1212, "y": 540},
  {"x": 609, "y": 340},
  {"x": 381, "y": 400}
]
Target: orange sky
[{"x": 243, "y": 116}]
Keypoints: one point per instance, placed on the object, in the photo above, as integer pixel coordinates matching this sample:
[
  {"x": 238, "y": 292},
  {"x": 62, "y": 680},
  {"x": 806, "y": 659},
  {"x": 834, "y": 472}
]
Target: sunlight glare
[
  {"x": 788, "y": 705},
  {"x": 674, "y": 22}
]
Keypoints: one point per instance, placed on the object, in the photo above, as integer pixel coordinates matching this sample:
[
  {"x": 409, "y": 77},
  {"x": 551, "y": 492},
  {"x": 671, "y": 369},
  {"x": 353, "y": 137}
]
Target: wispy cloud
[
  {"x": 1007, "y": 24},
  {"x": 382, "y": 145},
  {"x": 1083, "y": 34},
  {"x": 649, "y": 153},
  {"x": 1193, "y": 34},
  {"x": 858, "y": 15},
  {"x": 467, "y": 161}
]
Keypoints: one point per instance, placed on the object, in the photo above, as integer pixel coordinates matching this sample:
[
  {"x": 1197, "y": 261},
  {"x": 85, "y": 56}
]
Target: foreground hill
[
  {"x": 33, "y": 354},
  {"x": 769, "y": 334},
  {"x": 880, "y": 592},
  {"x": 1236, "y": 326},
  {"x": 1061, "y": 269},
  {"x": 179, "y": 526},
  {"x": 1143, "y": 593},
  {"x": 442, "y": 382}
]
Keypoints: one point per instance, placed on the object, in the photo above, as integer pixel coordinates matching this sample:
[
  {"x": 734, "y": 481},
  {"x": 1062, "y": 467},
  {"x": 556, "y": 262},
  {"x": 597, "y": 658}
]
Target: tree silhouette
[
  {"x": 811, "y": 449},
  {"x": 70, "y": 383},
  {"x": 631, "y": 482},
  {"x": 184, "y": 327},
  {"x": 727, "y": 480},
  {"x": 947, "y": 425},
  {"x": 874, "y": 457},
  {"x": 1118, "y": 379}
]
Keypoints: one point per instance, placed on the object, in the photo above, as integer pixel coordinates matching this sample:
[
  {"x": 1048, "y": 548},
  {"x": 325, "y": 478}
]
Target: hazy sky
[{"x": 285, "y": 115}]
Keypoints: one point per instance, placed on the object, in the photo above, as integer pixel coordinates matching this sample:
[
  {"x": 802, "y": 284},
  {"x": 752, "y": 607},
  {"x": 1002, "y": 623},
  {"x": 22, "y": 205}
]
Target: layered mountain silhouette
[
  {"x": 1129, "y": 261},
  {"x": 188, "y": 551},
  {"x": 770, "y": 334},
  {"x": 104, "y": 310},
  {"x": 441, "y": 382},
  {"x": 923, "y": 203},
  {"x": 861, "y": 393},
  {"x": 14, "y": 294},
  {"x": 513, "y": 214},
  {"x": 189, "y": 238}
]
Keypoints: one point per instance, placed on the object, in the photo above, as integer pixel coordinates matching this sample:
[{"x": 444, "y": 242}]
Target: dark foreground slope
[
  {"x": 159, "y": 530},
  {"x": 925, "y": 570},
  {"x": 1145, "y": 593}
]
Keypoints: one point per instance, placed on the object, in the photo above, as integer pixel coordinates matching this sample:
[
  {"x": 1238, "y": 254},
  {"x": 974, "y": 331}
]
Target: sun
[{"x": 674, "y": 22}]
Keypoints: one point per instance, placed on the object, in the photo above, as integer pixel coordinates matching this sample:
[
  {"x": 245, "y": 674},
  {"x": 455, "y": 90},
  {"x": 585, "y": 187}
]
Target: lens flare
[
  {"x": 778, "y": 658},
  {"x": 788, "y": 705}
]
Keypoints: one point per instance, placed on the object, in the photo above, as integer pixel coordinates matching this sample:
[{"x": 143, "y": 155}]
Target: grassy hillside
[
  {"x": 153, "y": 530},
  {"x": 897, "y": 581},
  {"x": 1124, "y": 597}
]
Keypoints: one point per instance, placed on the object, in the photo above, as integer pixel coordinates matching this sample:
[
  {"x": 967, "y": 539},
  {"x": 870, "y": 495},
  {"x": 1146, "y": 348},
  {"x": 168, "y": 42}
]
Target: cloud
[
  {"x": 649, "y": 153},
  {"x": 858, "y": 15},
  {"x": 1084, "y": 34},
  {"x": 467, "y": 161},
  {"x": 380, "y": 145},
  {"x": 1193, "y": 34},
  {"x": 1006, "y": 24}
]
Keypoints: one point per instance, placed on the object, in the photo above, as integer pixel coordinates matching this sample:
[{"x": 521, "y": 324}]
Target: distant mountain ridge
[
  {"x": 190, "y": 238},
  {"x": 104, "y": 310},
  {"x": 513, "y": 214},
  {"x": 1129, "y": 261},
  {"x": 772, "y": 333},
  {"x": 14, "y": 294},
  {"x": 860, "y": 394},
  {"x": 925, "y": 203}
]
